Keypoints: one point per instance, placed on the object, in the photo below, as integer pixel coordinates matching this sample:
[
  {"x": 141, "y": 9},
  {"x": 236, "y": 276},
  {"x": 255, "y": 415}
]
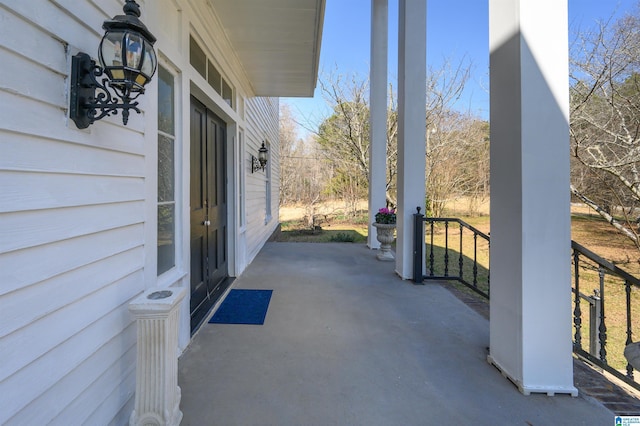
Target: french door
[{"x": 209, "y": 274}]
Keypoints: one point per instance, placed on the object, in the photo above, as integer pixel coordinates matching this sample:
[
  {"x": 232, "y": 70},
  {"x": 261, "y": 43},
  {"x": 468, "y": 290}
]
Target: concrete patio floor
[{"x": 347, "y": 342}]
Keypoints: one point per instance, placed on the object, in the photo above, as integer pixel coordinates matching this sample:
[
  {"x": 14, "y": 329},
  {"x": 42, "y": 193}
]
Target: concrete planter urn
[
  {"x": 385, "y": 235},
  {"x": 632, "y": 353}
]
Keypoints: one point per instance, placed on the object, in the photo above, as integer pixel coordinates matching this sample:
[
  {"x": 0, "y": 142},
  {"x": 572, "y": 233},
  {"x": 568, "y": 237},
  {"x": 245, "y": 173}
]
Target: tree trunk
[{"x": 606, "y": 216}]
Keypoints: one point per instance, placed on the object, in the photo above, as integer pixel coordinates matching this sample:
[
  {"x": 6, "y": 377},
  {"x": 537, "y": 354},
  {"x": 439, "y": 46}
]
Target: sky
[{"x": 457, "y": 30}]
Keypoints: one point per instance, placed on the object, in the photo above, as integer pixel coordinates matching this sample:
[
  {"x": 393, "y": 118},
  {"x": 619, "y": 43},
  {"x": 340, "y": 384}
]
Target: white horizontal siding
[
  {"x": 19, "y": 390},
  {"x": 261, "y": 124},
  {"x": 22, "y": 75},
  {"x": 88, "y": 376},
  {"x": 106, "y": 388},
  {"x": 35, "y": 153},
  {"x": 36, "y": 339},
  {"x": 24, "y": 116},
  {"x": 34, "y": 228},
  {"x": 72, "y": 226},
  {"x": 40, "y": 47},
  {"x": 47, "y": 17},
  {"x": 53, "y": 190},
  {"x": 115, "y": 402},
  {"x": 88, "y": 14},
  {"x": 19, "y": 269},
  {"x": 64, "y": 289}
]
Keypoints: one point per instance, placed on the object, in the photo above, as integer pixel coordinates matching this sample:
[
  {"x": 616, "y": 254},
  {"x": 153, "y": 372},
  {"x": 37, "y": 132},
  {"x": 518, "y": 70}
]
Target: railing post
[
  {"x": 602, "y": 328},
  {"x": 460, "y": 257},
  {"x": 577, "y": 313},
  {"x": 597, "y": 348},
  {"x": 446, "y": 247},
  {"x": 630, "y": 366},
  {"x": 418, "y": 244},
  {"x": 431, "y": 256},
  {"x": 595, "y": 308}
]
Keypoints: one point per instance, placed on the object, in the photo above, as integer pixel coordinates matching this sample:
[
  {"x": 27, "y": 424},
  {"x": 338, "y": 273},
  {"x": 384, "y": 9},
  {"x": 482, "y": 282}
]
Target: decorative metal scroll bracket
[
  {"x": 85, "y": 107},
  {"x": 259, "y": 163},
  {"x": 255, "y": 165}
]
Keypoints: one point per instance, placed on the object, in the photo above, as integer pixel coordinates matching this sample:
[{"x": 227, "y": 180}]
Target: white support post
[
  {"x": 412, "y": 65},
  {"x": 157, "y": 399},
  {"x": 378, "y": 114},
  {"x": 530, "y": 328}
]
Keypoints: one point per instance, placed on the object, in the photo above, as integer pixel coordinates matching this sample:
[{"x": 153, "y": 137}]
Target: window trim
[
  {"x": 242, "y": 179},
  {"x": 267, "y": 178},
  {"x": 210, "y": 64}
]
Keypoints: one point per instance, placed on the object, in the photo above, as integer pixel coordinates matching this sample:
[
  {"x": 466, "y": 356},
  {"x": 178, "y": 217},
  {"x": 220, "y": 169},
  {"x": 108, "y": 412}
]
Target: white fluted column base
[{"x": 157, "y": 400}]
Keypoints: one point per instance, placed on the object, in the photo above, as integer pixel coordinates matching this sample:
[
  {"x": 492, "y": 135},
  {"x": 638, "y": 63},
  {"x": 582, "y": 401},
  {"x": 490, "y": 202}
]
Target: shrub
[{"x": 342, "y": 237}]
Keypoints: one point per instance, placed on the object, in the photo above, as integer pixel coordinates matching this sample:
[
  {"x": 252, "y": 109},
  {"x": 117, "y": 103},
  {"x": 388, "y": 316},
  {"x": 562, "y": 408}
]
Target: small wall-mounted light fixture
[
  {"x": 127, "y": 64},
  {"x": 261, "y": 162}
]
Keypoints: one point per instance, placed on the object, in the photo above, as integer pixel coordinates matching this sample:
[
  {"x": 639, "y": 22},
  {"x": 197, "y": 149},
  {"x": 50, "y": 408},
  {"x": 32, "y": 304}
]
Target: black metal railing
[
  {"x": 439, "y": 250},
  {"x": 447, "y": 257},
  {"x": 604, "y": 280}
]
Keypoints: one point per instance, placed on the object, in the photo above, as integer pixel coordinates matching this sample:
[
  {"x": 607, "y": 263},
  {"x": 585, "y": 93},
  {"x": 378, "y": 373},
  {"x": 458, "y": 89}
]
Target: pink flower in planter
[{"x": 386, "y": 215}]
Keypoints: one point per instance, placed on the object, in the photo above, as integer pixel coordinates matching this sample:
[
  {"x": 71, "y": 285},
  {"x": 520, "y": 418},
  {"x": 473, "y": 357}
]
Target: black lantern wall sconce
[
  {"x": 127, "y": 64},
  {"x": 261, "y": 162}
]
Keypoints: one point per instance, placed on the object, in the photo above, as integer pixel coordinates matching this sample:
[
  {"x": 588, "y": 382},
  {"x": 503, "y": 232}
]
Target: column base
[
  {"x": 157, "y": 398},
  {"x": 528, "y": 390},
  {"x": 153, "y": 419},
  {"x": 385, "y": 256}
]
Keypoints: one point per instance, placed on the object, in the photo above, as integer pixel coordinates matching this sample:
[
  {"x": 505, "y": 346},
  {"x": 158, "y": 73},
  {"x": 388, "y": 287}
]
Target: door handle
[{"x": 206, "y": 223}]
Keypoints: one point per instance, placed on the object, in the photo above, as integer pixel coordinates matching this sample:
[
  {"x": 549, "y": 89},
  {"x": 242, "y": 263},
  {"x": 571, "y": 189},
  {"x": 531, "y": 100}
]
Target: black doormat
[{"x": 243, "y": 307}]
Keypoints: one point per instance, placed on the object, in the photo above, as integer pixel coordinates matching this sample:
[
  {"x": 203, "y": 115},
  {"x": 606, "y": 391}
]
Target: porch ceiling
[{"x": 278, "y": 42}]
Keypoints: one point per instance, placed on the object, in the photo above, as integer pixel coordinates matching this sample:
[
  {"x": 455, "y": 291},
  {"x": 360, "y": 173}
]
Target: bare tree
[
  {"x": 457, "y": 161},
  {"x": 605, "y": 122},
  {"x": 288, "y": 140},
  {"x": 304, "y": 175},
  {"x": 312, "y": 176},
  {"x": 344, "y": 136},
  {"x": 457, "y": 143}
]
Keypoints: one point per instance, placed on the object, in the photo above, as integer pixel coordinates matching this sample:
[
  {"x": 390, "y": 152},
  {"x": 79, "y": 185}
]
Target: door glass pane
[
  {"x": 227, "y": 93},
  {"x": 166, "y": 169},
  {"x": 165, "y": 102},
  {"x": 242, "y": 168},
  {"x": 214, "y": 78},
  {"x": 197, "y": 57},
  {"x": 166, "y": 237}
]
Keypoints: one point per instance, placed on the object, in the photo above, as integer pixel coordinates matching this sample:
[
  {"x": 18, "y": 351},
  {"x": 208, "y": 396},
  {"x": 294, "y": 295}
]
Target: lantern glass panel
[
  {"x": 134, "y": 51},
  {"x": 150, "y": 61},
  {"x": 140, "y": 80},
  {"x": 110, "y": 54}
]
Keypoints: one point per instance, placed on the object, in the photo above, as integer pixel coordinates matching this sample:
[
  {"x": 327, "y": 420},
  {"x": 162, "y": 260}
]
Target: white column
[
  {"x": 530, "y": 219},
  {"x": 157, "y": 399},
  {"x": 412, "y": 65},
  {"x": 378, "y": 114}
]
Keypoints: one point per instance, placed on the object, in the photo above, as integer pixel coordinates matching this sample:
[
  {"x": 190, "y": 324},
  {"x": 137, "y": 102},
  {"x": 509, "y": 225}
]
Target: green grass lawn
[{"x": 334, "y": 231}]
